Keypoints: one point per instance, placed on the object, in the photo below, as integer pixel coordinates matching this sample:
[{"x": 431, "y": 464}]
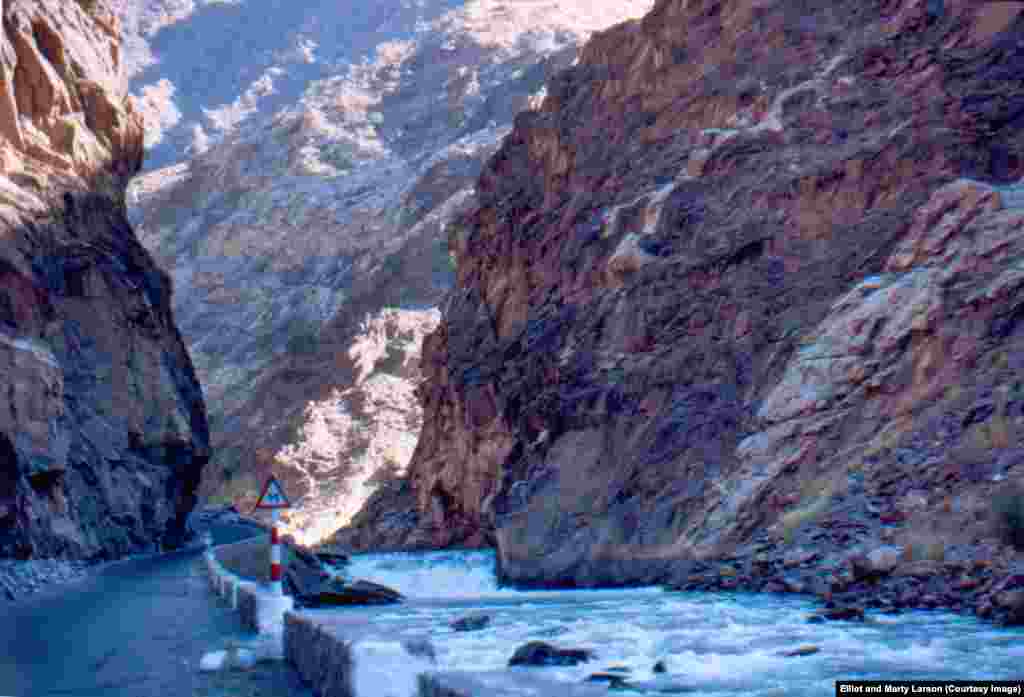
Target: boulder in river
[
  {"x": 613, "y": 680},
  {"x": 301, "y": 582},
  {"x": 301, "y": 554},
  {"x": 303, "y": 578},
  {"x": 336, "y": 591},
  {"x": 471, "y": 622},
  {"x": 422, "y": 647},
  {"x": 837, "y": 613},
  {"x": 539, "y": 653},
  {"x": 332, "y": 558},
  {"x": 805, "y": 650}
]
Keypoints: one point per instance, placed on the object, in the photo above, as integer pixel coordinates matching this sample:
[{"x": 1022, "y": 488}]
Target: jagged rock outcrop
[
  {"x": 750, "y": 277},
  {"x": 310, "y": 245},
  {"x": 103, "y": 431}
]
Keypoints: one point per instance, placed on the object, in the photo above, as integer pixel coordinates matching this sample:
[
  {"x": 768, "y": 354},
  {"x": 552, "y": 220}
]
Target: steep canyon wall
[
  {"x": 103, "y": 431},
  {"x": 749, "y": 278}
]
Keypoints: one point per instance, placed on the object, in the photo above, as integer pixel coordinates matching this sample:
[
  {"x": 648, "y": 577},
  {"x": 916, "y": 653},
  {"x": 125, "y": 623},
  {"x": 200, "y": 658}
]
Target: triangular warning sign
[{"x": 272, "y": 496}]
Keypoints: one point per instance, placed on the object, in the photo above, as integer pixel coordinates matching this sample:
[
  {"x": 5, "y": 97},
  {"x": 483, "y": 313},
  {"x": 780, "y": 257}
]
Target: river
[{"x": 712, "y": 644}]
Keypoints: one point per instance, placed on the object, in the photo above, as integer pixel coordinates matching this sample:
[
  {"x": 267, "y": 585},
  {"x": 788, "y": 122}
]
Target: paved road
[{"x": 135, "y": 628}]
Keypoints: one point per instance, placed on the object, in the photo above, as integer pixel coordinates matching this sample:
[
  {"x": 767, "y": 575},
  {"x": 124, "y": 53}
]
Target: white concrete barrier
[
  {"x": 260, "y": 609},
  {"x": 347, "y": 655}
]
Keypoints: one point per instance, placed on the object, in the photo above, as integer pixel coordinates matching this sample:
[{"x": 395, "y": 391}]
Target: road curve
[{"x": 134, "y": 628}]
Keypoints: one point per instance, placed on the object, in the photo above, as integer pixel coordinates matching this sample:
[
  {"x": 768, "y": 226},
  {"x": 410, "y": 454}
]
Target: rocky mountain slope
[
  {"x": 747, "y": 284},
  {"x": 266, "y": 54},
  {"x": 103, "y": 431},
  {"x": 308, "y": 242}
]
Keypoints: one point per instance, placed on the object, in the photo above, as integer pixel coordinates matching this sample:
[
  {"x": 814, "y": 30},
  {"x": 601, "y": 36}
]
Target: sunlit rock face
[
  {"x": 103, "y": 432},
  {"x": 747, "y": 276},
  {"x": 361, "y": 435},
  {"x": 268, "y": 53},
  {"x": 309, "y": 240}
]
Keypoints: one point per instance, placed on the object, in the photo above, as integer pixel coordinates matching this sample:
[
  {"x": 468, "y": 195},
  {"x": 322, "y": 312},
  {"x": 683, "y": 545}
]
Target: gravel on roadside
[{"x": 20, "y": 579}]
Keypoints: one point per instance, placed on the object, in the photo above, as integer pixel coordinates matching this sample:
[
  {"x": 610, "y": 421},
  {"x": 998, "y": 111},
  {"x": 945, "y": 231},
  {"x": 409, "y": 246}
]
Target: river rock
[
  {"x": 613, "y": 680},
  {"x": 336, "y": 591},
  {"x": 837, "y": 613},
  {"x": 1015, "y": 616},
  {"x": 471, "y": 622},
  {"x": 1012, "y": 603},
  {"x": 1009, "y": 582},
  {"x": 422, "y": 647},
  {"x": 301, "y": 554},
  {"x": 301, "y": 580},
  {"x": 659, "y": 667},
  {"x": 908, "y": 597},
  {"x": 805, "y": 650},
  {"x": 799, "y": 557},
  {"x": 332, "y": 558},
  {"x": 538, "y": 653},
  {"x": 304, "y": 573},
  {"x": 920, "y": 569},
  {"x": 877, "y": 562}
]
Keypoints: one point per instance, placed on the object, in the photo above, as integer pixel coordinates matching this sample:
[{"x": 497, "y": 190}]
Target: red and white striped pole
[{"x": 275, "y": 555}]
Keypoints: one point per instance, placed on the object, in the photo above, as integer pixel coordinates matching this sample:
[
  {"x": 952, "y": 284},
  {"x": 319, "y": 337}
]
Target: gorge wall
[
  {"x": 749, "y": 279},
  {"x": 103, "y": 431},
  {"x": 308, "y": 242}
]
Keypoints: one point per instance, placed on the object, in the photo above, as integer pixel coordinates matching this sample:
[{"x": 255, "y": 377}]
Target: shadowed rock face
[
  {"x": 310, "y": 246},
  {"x": 750, "y": 276},
  {"x": 103, "y": 431}
]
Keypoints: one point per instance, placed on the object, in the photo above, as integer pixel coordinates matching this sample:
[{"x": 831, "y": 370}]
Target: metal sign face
[{"x": 273, "y": 496}]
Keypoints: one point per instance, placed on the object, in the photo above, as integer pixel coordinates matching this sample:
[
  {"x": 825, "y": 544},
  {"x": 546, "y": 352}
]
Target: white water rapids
[{"x": 713, "y": 644}]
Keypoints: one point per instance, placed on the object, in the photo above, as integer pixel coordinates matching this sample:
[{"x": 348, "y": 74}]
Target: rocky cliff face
[
  {"x": 103, "y": 432},
  {"x": 309, "y": 245},
  {"x": 749, "y": 279}
]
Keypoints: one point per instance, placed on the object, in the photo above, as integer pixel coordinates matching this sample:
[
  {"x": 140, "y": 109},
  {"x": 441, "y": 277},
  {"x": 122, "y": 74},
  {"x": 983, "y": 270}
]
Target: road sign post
[
  {"x": 275, "y": 555},
  {"x": 273, "y": 498}
]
